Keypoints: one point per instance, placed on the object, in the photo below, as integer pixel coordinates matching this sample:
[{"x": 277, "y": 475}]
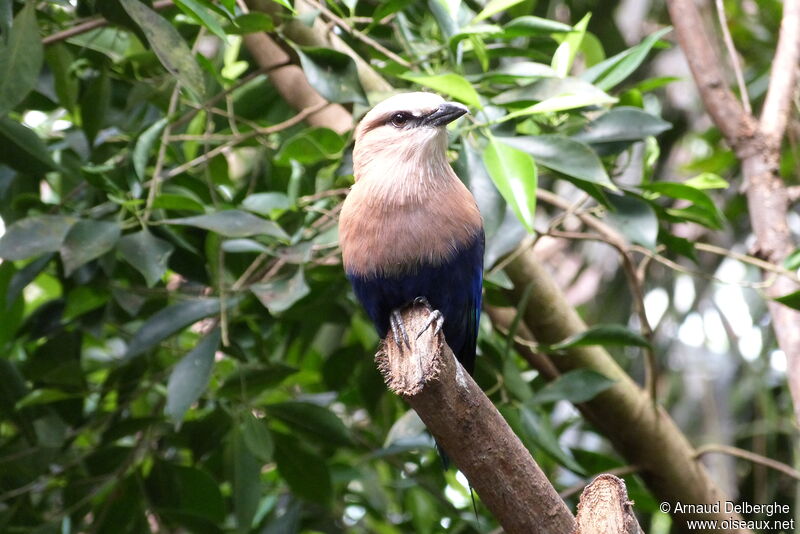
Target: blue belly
[{"x": 453, "y": 288}]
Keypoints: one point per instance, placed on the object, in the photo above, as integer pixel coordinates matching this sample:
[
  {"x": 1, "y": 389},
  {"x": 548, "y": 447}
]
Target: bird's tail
[{"x": 443, "y": 456}]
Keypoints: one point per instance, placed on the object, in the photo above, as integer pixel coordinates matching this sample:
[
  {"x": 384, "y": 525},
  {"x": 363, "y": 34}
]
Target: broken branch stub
[{"x": 604, "y": 508}]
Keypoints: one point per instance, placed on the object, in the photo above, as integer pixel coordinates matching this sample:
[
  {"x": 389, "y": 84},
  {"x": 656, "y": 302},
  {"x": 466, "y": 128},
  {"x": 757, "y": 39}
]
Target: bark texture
[{"x": 604, "y": 508}]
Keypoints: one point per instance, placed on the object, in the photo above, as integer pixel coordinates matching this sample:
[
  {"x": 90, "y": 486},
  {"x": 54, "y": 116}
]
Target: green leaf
[
  {"x": 20, "y": 59},
  {"x": 707, "y": 180},
  {"x": 421, "y": 506},
  {"x": 246, "y": 481},
  {"x": 270, "y": 205},
  {"x": 612, "y": 71},
  {"x": 635, "y": 218},
  {"x": 305, "y": 471},
  {"x": 704, "y": 206},
  {"x": 172, "y": 51},
  {"x": 564, "y": 56},
  {"x": 311, "y": 146},
  {"x": 312, "y": 419},
  {"x": 251, "y": 382},
  {"x": 84, "y": 299},
  {"x": 281, "y": 294},
  {"x": 147, "y": 254},
  {"x": 233, "y": 223},
  {"x": 407, "y": 428},
  {"x": 170, "y": 201},
  {"x": 190, "y": 377},
  {"x": 792, "y": 261},
  {"x": 6, "y": 18},
  {"x": 564, "y": 155},
  {"x": 575, "y": 386},
  {"x": 87, "y": 240},
  {"x": 251, "y": 23},
  {"x": 112, "y": 42},
  {"x": 44, "y": 396},
  {"x": 478, "y": 30},
  {"x": 95, "y": 101},
  {"x": 60, "y": 60},
  {"x": 257, "y": 438},
  {"x": 170, "y": 320},
  {"x": 450, "y": 84},
  {"x": 539, "y": 430},
  {"x": 33, "y": 236},
  {"x": 333, "y": 74},
  {"x": 605, "y": 335},
  {"x": 203, "y": 16},
  {"x": 243, "y": 245},
  {"x": 514, "y": 174},
  {"x": 23, "y": 150},
  {"x": 188, "y": 492},
  {"x": 553, "y": 94},
  {"x": 622, "y": 124},
  {"x": 494, "y": 7},
  {"x": 23, "y": 277},
  {"x": 513, "y": 381},
  {"x": 529, "y": 25},
  {"x": 792, "y": 300},
  {"x": 145, "y": 143}
]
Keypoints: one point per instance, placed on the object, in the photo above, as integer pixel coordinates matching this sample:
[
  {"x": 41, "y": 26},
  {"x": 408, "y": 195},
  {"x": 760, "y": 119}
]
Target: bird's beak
[{"x": 446, "y": 113}]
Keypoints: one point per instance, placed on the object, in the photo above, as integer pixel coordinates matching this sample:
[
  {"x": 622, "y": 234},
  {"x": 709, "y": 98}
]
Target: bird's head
[{"x": 403, "y": 129}]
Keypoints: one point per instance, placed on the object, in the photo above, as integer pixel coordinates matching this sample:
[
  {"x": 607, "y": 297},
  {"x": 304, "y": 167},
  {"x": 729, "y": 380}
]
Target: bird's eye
[{"x": 399, "y": 120}]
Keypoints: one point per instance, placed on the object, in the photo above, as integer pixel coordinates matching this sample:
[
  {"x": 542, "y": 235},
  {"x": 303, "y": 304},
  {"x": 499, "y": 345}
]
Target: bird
[{"x": 410, "y": 231}]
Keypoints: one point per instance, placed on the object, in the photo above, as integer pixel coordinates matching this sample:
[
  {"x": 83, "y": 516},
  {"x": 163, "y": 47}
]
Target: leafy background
[{"x": 181, "y": 348}]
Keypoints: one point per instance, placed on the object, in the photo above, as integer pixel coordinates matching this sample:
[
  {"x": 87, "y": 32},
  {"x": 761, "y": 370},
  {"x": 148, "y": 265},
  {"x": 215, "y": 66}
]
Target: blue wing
[{"x": 453, "y": 288}]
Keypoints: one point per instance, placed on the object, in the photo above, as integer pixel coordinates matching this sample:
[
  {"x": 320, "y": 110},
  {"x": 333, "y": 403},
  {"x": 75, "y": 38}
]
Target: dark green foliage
[{"x": 180, "y": 348}]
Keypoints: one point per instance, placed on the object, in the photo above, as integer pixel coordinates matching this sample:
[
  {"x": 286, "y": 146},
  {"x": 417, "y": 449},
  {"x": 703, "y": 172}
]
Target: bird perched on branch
[{"x": 410, "y": 231}]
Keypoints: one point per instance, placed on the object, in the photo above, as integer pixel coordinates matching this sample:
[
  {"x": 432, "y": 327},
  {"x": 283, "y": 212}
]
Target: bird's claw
[
  {"x": 399, "y": 330},
  {"x": 422, "y": 301},
  {"x": 436, "y": 318}
]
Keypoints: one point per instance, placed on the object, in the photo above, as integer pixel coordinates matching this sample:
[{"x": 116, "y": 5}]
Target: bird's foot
[{"x": 399, "y": 330}]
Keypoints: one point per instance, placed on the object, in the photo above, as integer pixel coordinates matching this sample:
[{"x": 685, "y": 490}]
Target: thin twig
[
  {"x": 92, "y": 24},
  {"x": 360, "y": 35},
  {"x": 748, "y": 455},
  {"x": 752, "y": 260},
  {"x": 613, "y": 238},
  {"x": 162, "y": 153},
  {"x": 288, "y": 123},
  {"x": 737, "y": 67}
]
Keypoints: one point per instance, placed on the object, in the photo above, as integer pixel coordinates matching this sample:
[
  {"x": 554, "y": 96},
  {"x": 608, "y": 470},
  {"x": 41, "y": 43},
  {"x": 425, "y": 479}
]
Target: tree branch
[
  {"x": 643, "y": 433},
  {"x": 474, "y": 434},
  {"x": 758, "y": 146},
  {"x": 92, "y": 24},
  {"x": 726, "y": 111},
  {"x": 292, "y": 84},
  {"x": 783, "y": 77}
]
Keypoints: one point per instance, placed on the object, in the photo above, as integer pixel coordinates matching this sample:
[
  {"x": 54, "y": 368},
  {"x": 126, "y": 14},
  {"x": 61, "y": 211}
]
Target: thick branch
[
  {"x": 642, "y": 433},
  {"x": 467, "y": 425},
  {"x": 291, "y": 83},
  {"x": 726, "y": 111},
  {"x": 783, "y": 77},
  {"x": 758, "y": 146}
]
